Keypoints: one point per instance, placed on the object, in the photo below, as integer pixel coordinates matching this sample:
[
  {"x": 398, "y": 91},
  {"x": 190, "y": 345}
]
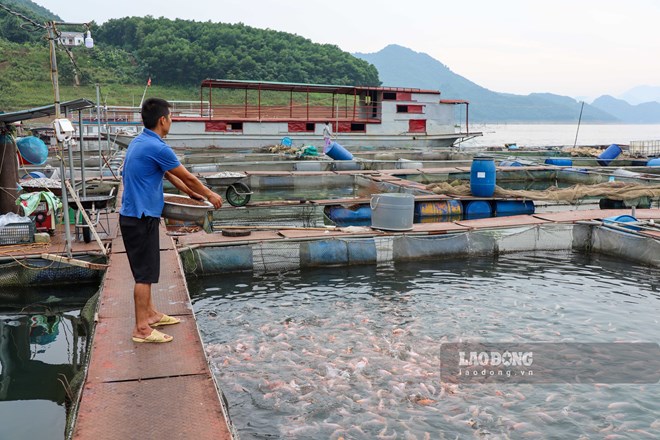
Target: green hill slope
[
  {"x": 176, "y": 54},
  {"x": 16, "y": 29},
  {"x": 185, "y": 52}
]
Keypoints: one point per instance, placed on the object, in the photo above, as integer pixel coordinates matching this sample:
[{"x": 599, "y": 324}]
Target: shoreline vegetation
[{"x": 176, "y": 55}]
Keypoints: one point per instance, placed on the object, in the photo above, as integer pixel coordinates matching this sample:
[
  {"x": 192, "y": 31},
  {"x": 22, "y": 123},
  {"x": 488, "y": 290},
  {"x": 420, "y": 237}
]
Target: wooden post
[{"x": 8, "y": 174}]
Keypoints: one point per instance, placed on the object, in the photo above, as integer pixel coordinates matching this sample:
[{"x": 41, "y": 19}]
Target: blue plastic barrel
[
  {"x": 622, "y": 219},
  {"x": 439, "y": 211},
  {"x": 653, "y": 162},
  {"x": 608, "y": 155},
  {"x": 357, "y": 215},
  {"x": 559, "y": 162},
  {"x": 482, "y": 177},
  {"x": 34, "y": 175},
  {"x": 32, "y": 149},
  {"x": 475, "y": 209},
  {"x": 337, "y": 152},
  {"x": 510, "y": 163},
  {"x": 504, "y": 208}
]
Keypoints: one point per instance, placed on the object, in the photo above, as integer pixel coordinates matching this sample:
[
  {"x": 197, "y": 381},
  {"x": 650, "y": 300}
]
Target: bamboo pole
[
  {"x": 74, "y": 262},
  {"x": 86, "y": 217}
]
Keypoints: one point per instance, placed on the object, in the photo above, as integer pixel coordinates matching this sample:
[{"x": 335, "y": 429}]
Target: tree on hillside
[
  {"x": 185, "y": 52},
  {"x": 18, "y": 30}
]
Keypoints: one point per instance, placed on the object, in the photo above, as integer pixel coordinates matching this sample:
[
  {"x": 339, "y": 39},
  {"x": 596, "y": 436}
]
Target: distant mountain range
[
  {"x": 402, "y": 67},
  {"x": 641, "y": 95},
  {"x": 645, "y": 113}
]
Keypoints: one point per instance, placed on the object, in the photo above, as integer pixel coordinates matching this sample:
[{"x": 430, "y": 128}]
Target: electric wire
[{"x": 30, "y": 22}]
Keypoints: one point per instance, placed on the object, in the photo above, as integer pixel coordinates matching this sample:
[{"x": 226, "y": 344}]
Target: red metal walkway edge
[{"x": 148, "y": 390}]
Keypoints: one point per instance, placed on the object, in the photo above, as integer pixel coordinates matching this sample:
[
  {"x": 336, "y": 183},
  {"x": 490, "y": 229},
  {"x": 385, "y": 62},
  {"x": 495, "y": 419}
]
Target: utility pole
[
  {"x": 52, "y": 39},
  {"x": 51, "y": 28},
  {"x": 63, "y": 127},
  {"x": 8, "y": 171}
]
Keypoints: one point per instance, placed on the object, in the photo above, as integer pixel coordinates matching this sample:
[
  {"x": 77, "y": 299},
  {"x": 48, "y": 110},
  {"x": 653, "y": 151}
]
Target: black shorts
[{"x": 142, "y": 243}]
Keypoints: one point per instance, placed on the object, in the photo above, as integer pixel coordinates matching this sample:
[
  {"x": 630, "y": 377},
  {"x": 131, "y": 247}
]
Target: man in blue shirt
[{"x": 148, "y": 160}]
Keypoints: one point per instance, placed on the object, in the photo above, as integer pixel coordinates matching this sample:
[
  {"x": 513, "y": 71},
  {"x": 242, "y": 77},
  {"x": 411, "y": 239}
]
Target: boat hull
[
  {"x": 243, "y": 141},
  {"x": 258, "y": 141}
]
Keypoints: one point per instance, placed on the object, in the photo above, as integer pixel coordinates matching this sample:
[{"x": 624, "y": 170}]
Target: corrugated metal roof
[
  {"x": 454, "y": 101},
  {"x": 47, "y": 110}
]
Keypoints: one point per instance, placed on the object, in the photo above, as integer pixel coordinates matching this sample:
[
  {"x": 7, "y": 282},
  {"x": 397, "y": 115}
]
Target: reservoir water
[
  {"x": 539, "y": 135},
  {"x": 354, "y": 352},
  {"x": 43, "y": 346}
]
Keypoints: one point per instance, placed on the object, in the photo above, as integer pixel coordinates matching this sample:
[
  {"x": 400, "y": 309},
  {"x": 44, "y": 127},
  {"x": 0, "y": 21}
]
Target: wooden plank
[
  {"x": 595, "y": 214},
  {"x": 502, "y": 222},
  {"x": 74, "y": 262}
]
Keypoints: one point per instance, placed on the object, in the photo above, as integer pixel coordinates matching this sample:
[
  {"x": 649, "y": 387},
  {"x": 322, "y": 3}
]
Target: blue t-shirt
[{"x": 147, "y": 160}]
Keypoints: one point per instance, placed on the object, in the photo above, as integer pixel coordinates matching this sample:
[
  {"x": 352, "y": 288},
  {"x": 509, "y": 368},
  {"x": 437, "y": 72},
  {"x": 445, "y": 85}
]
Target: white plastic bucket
[{"x": 392, "y": 212}]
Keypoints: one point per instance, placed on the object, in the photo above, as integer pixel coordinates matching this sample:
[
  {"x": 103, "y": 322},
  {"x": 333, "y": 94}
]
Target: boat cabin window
[
  {"x": 347, "y": 127},
  {"x": 220, "y": 126},
  {"x": 410, "y": 109},
  {"x": 301, "y": 127}
]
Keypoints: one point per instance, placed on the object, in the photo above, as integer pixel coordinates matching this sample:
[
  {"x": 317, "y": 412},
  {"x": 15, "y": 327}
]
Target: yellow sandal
[
  {"x": 166, "y": 320},
  {"x": 155, "y": 337}
]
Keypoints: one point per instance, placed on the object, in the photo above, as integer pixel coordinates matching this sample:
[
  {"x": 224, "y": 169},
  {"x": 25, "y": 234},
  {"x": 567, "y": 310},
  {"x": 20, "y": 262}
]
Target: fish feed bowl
[{"x": 184, "y": 208}]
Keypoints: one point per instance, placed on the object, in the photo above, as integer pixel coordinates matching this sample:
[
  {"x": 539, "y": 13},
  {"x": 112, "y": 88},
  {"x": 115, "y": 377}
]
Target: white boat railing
[{"x": 301, "y": 112}]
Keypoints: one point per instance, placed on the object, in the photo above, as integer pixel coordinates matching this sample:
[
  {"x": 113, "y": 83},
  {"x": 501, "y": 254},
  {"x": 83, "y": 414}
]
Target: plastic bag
[{"x": 11, "y": 217}]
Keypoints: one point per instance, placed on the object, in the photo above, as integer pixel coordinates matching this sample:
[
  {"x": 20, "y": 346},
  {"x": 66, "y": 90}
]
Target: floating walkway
[
  {"x": 140, "y": 390},
  {"x": 282, "y": 248},
  {"x": 148, "y": 390}
]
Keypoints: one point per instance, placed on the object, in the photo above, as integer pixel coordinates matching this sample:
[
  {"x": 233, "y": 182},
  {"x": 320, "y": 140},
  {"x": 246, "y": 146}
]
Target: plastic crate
[
  {"x": 644, "y": 148},
  {"x": 17, "y": 233}
]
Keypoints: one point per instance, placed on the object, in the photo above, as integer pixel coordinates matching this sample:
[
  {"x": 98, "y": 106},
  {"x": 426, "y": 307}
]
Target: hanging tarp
[{"x": 30, "y": 201}]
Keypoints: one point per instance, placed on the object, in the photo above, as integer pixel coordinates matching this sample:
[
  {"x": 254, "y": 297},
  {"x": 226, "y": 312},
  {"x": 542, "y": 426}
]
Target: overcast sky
[{"x": 579, "y": 48}]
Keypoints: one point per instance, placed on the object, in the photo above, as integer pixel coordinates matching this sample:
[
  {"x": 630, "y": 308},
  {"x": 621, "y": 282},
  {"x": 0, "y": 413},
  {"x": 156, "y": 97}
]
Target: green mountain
[
  {"x": 15, "y": 29},
  {"x": 37, "y": 11},
  {"x": 175, "y": 54},
  {"x": 402, "y": 67},
  {"x": 186, "y": 52}
]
